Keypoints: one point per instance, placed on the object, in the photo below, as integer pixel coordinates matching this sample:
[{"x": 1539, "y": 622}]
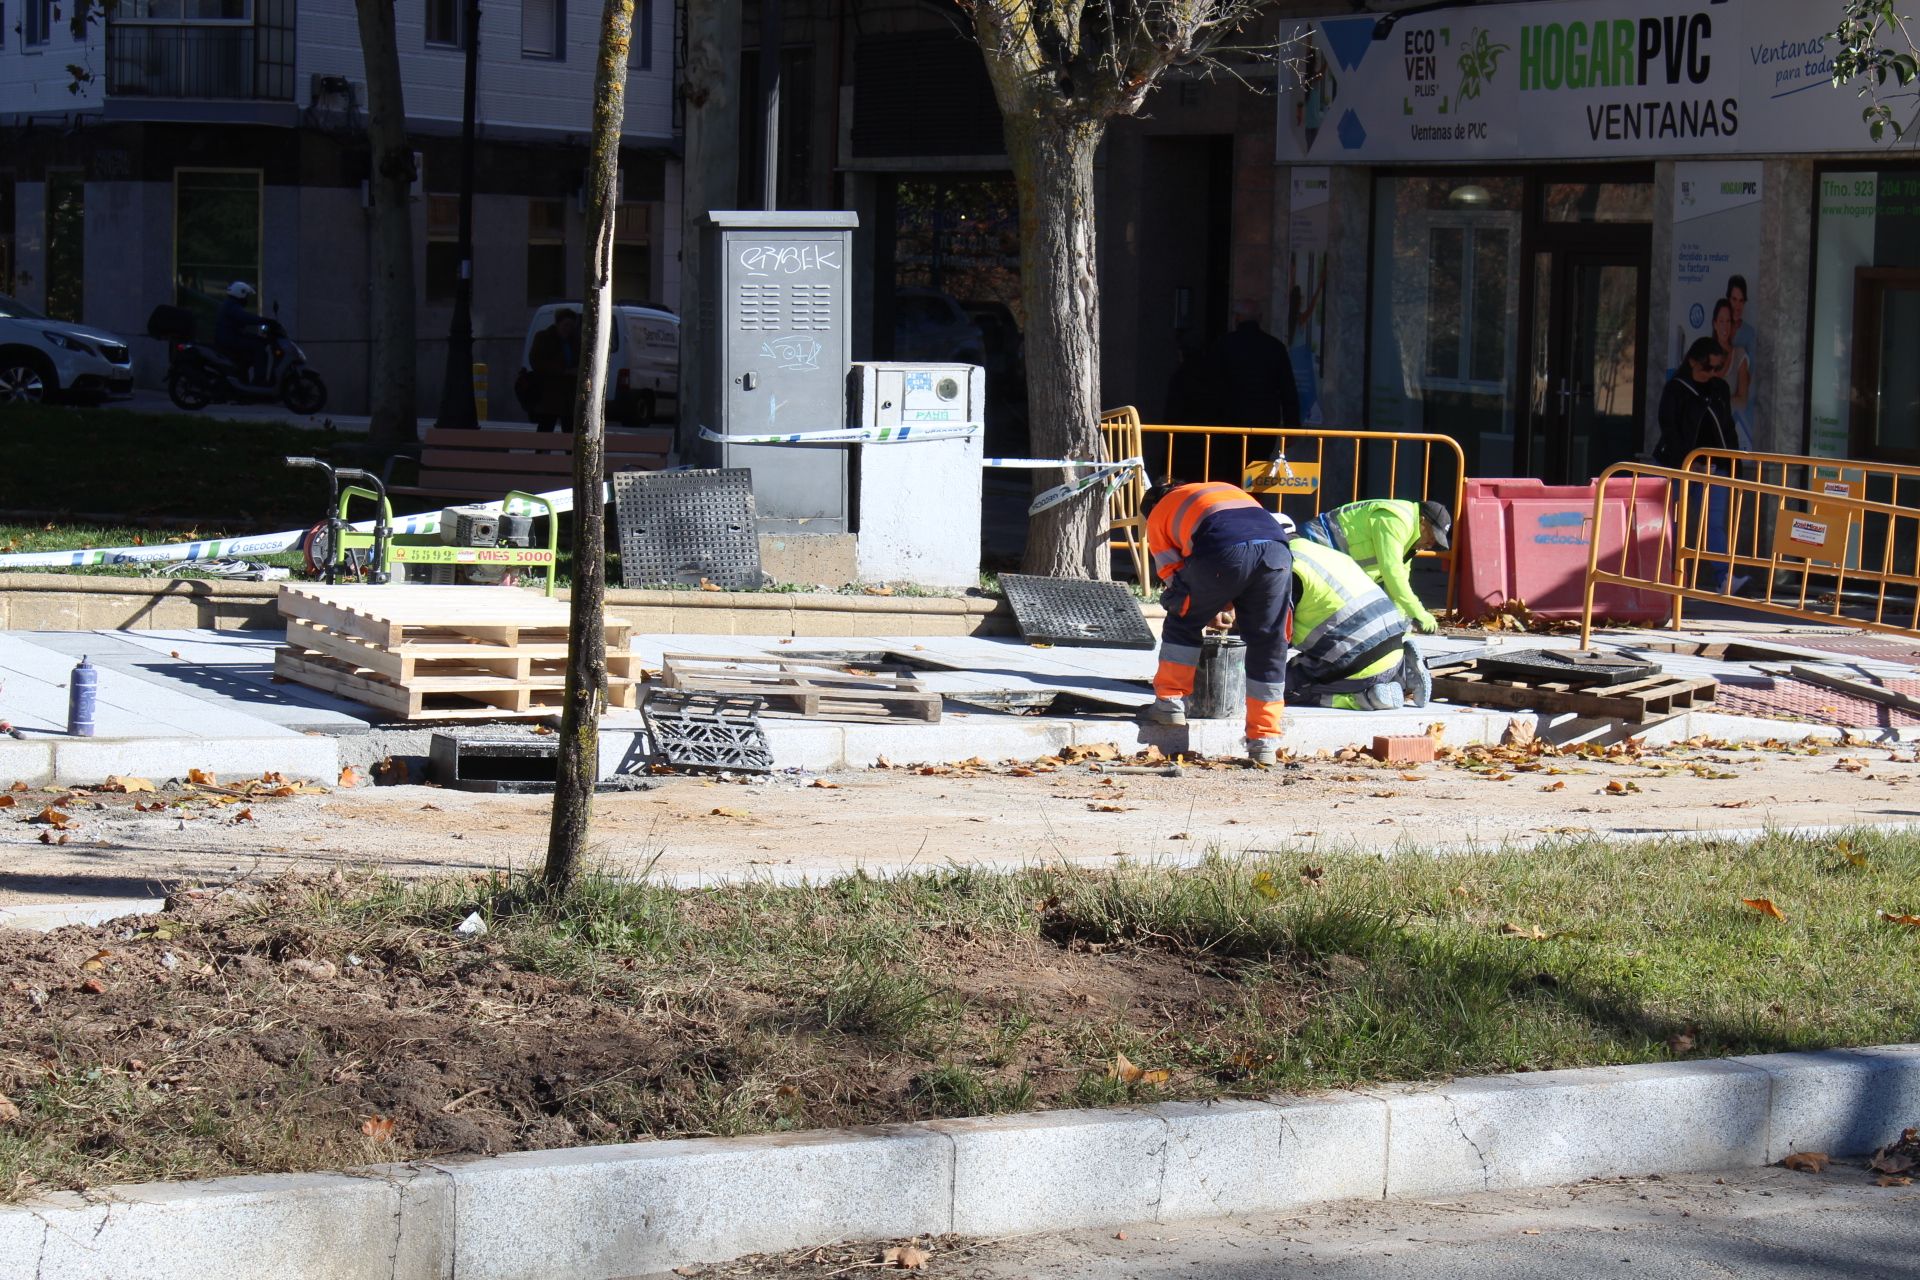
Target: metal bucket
[{"x": 1220, "y": 684}]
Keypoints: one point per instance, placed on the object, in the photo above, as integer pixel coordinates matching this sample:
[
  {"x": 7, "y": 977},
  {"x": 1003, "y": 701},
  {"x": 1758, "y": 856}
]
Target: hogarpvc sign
[{"x": 1591, "y": 79}]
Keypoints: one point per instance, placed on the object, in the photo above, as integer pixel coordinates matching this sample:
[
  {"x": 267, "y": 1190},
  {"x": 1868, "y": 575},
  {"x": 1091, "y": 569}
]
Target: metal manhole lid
[
  {"x": 682, "y": 528},
  {"x": 1075, "y": 612}
]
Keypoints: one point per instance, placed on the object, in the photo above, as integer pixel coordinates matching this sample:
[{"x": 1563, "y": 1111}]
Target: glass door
[{"x": 1588, "y": 363}]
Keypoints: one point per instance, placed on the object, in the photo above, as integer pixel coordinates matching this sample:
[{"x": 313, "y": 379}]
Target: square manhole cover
[
  {"x": 1070, "y": 611},
  {"x": 678, "y": 528}
]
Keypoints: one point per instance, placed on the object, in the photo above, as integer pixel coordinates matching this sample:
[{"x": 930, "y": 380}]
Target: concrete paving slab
[
  {"x": 237, "y": 665},
  {"x": 128, "y": 706},
  {"x": 44, "y": 917}
]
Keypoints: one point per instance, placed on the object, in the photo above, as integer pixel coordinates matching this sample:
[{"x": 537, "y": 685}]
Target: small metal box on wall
[{"x": 774, "y": 323}]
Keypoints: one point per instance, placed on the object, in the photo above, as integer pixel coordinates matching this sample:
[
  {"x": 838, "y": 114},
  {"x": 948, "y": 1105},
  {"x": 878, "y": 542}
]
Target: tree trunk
[
  {"x": 709, "y": 171},
  {"x": 587, "y": 630},
  {"x": 1052, "y": 161},
  {"x": 390, "y": 329}
]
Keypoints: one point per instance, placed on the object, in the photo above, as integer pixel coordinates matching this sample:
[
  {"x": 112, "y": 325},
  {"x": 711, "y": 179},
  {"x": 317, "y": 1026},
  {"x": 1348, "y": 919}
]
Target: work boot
[
  {"x": 1167, "y": 711},
  {"x": 1415, "y": 680},
  {"x": 1263, "y": 750},
  {"x": 1384, "y": 697}
]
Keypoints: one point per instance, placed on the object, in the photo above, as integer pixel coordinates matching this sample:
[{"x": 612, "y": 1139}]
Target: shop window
[
  {"x": 633, "y": 253},
  {"x": 216, "y": 238},
  {"x": 546, "y": 251},
  {"x": 446, "y": 23},
  {"x": 1596, "y": 202},
  {"x": 543, "y": 32},
  {"x": 1445, "y": 312},
  {"x": 66, "y": 244},
  {"x": 1866, "y": 315},
  {"x": 443, "y": 247}
]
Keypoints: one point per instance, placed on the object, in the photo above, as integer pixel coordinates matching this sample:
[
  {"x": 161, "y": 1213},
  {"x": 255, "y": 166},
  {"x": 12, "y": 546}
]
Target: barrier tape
[
  {"x": 854, "y": 435},
  {"x": 1110, "y": 474},
  {"x": 1039, "y": 464},
  {"x": 259, "y": 544}
]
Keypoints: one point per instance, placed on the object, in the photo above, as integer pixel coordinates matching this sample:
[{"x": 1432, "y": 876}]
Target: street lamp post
[{"x": 456, "y": 392}]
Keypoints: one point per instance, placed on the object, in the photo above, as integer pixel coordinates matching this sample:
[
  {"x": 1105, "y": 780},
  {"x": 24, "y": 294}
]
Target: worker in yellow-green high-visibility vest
[
  {"x": 1382, "y": 535},
  {"x": 1351, "y": 646}
]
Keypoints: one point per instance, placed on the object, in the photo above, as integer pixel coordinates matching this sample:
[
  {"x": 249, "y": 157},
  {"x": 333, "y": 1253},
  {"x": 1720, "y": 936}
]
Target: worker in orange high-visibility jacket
[{"x": 1215, "y": 547}]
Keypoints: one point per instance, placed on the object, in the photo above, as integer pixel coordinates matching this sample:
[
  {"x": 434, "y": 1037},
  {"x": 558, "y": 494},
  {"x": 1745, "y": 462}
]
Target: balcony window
[
  {"x": 219, "y": 49},
  {"x": 543, "y": 31},
  {"x": 39, "y": 23},
  {"x": 640, "y": 51},
  {"x": 447, "y": 23}
]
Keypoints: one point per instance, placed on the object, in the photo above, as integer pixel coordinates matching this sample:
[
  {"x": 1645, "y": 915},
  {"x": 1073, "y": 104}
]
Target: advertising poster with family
[{"x": 1719, "y": 290}]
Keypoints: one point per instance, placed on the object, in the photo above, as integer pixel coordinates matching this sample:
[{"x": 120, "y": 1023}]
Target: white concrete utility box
[{"x": 918, "y": 502}]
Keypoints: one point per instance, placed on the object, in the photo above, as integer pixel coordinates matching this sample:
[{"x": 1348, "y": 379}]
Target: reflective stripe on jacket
[
  {"x": 1341, "y": 617},
  {"x": 1199, "y": 518},
  {"x": 1380, "y": 535}
]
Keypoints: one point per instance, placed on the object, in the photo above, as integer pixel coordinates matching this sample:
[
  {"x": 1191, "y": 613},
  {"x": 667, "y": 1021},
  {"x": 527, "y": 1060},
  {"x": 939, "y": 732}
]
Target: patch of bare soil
[{"x": 266, "y": 1027}]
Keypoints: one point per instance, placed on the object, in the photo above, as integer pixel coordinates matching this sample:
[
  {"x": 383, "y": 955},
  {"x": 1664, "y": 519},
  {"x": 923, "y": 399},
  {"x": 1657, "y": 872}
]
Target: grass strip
[{"x": 307, "y": 1023}]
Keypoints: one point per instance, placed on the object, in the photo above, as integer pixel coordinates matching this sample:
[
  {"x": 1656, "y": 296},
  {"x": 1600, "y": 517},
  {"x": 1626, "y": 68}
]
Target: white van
[{"x": 643, "y": 361}]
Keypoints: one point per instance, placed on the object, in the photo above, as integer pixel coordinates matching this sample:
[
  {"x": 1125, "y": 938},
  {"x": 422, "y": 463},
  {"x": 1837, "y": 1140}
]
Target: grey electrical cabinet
[{"x": 774, "y": 324}]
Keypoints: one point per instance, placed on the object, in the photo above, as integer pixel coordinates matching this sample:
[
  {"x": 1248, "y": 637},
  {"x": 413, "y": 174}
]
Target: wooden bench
[{"x": 486, "y": 462}]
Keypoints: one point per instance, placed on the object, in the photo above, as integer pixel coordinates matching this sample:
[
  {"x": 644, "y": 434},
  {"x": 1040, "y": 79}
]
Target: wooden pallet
[
  {"x": 1635, "y": 703},
  {"x": 439, "y": 697},
  {"x": 393, "y": 617},
  {"x": 813, "y": 687},
  {"x": 416, "y": 659}
]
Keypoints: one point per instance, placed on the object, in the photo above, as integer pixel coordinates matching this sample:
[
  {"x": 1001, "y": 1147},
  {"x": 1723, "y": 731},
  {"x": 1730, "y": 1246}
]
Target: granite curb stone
[{"x": 599, "y": 1212}]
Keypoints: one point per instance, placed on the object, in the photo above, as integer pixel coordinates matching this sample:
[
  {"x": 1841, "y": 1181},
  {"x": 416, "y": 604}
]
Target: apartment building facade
[{"x": 158, "y": 153}]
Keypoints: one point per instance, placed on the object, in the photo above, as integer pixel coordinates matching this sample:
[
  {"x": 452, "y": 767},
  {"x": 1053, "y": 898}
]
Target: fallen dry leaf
[
  {"x": 878, "y": 591},
  {"x": 1807, "y": 1162},
  {"x": 1532, "y": 932},
  {"x": 391, "y": 771},
  {"x": 1912, "y": 922},
  {"x": 94, "y": 986},
  {"x": 126, "y": 786},
  {"x": 727, "y": 813},
  {"x": 1264, "y": 886},
  {"x": 824, "y": 785},
  {"x": 7, "y": 801},
  {"x": 200, "y": 777},
  {"x": 1125, "y": 1072},
  {"x": 1555, "y": 786},
  {"x": 245, "y": 815},
  {"x": 96, "y": 962},
  {"x": 20, "y": 786},
  {"x": 8, "y": 1111},
  {"x": 1682, "y": 1042},
  {"x": 378, "y": 1127},
  {"x": 1890, "y": 1162},
  {"x": 1619, "y": 788},
  {"x": 906, "y": 1257},
  {"x": 1108, "y": 808},
  {"x": 706, "y": 585},
  {"x": 1889, "y": 1180},
  {"x": 58, "y": 819},
  {"x": 349, "y": 777},
  {"x": 1764, "y": 906}
]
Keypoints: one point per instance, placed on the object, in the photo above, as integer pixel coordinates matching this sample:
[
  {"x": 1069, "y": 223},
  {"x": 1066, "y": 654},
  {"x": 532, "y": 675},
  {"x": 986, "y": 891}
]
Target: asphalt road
[{"x": 1765, "y": 1224}]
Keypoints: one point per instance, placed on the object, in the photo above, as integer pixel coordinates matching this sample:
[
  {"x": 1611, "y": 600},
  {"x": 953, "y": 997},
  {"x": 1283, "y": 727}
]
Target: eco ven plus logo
[{"x": 1626, "y": 53}]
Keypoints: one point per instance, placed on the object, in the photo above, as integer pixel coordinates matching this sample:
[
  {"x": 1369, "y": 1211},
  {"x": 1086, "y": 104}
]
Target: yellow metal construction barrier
[
  {"x": 1803, "y": 550},
  {"x": 1308, "y": 477}
]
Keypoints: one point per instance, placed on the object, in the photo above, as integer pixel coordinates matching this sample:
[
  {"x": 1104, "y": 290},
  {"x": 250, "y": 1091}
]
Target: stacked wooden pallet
[
  {"x": 1637, "y": 702},
  {"x": 440, "y": 653}
]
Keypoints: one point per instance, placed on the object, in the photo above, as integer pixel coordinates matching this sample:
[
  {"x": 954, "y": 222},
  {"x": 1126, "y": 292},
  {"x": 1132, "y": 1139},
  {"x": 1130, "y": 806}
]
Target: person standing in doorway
[
  {"x": 555, "y": 362},
  {"x": 1256, "y": 374},
  {"x": 1696, "y": 412}
]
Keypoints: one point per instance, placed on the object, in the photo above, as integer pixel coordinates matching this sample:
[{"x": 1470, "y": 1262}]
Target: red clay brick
[{"x": 1414, "y": 749}]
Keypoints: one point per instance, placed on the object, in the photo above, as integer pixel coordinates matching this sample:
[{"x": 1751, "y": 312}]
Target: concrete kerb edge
[{"x": 606, "y": 1211}]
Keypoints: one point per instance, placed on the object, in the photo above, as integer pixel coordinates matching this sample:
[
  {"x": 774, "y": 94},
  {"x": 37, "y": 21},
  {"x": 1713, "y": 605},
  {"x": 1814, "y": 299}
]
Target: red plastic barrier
[{"x": 1526, "y": 540}]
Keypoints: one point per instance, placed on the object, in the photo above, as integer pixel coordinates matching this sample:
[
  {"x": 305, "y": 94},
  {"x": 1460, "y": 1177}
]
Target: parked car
[
  {"x": 643, "y": 360},
  {"x": 932, "y": 326},
  {"x": 41, "y": 359}
]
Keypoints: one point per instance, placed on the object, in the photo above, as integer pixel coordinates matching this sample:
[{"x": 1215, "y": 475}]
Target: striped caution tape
[
  {"x": 258, "y": 544},
  {"x": 854, "y": 435},
  {"x": 1111, "y": 474}
]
